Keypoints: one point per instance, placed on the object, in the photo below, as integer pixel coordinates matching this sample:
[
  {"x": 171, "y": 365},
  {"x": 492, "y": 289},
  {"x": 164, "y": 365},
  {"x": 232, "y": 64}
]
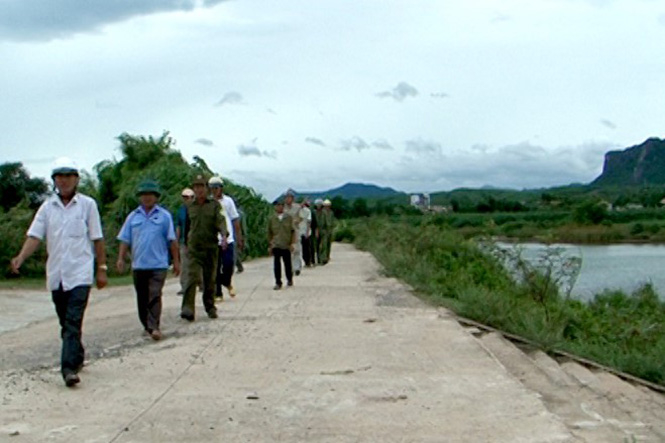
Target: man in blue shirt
[{"x": 148, "y": 231}]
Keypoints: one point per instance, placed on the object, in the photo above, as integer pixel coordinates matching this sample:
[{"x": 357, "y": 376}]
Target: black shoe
[
  {"x": 71, "y": 379},
  {"x": 298, "y": 272},
  {"x": 213, "y": 313},
  {"x": 290, "y": 283},
  {"x": 186, "y": 316},
  {"x": 277, "y": 287}
]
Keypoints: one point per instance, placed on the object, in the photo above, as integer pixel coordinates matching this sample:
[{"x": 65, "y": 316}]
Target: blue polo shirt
[{"x": 148, "y": 236}]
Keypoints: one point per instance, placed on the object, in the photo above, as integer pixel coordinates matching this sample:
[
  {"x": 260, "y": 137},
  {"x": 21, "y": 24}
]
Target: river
[{"x": 625, "y": 266}]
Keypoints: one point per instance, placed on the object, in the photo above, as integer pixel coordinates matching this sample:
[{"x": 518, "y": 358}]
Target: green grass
[
  {"x": 40, "y": 283},
  {"x": 623, "y": 331}
]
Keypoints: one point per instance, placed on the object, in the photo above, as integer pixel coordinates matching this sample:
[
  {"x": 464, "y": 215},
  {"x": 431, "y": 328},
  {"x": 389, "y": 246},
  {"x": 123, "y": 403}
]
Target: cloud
[
  {"x": 204, "y": 142},
  {"x": 439, "y": 95},
  {"x": 423, "y": 147},
  {"x": 382, "y": 144},
  {"x": 608, "y": 123},
  {"x": 271, "y": 111},
  {"x": 315, "y": 141},
  {"x": 661, "y": 19},
  {"x": 44, "y": 20},
  {"x": 354, "y": 143},
  {"x": 359, "y": 144},
  {"x": 106, "y": 105},
  {"x": 254, "y": 151},
  {"x": 230, "y": 98},
  {"x": 399, "y": 92}
]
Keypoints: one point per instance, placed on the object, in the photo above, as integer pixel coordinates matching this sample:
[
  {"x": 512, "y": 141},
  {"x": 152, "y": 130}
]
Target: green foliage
[
  {"x": 17, "y": 186},
  {"x": 13, "y": 226},
  {"x": 114, "y": 188},
  {"x": 590, "y": 212}
]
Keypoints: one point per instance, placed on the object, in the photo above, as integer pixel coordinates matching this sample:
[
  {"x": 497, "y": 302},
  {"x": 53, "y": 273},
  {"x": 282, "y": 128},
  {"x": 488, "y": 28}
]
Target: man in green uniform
[
  {"x": 326, "y": 221},
  {"x": 281, "y": 237},
  {"x": 205, "y": 224}
]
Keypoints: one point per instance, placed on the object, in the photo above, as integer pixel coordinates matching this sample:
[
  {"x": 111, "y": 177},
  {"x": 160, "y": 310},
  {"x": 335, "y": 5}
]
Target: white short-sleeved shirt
[
  {"x": 230, "y": 213},
  {"x": 69, "y": 232},
  {"x": 305, "y": 216}
]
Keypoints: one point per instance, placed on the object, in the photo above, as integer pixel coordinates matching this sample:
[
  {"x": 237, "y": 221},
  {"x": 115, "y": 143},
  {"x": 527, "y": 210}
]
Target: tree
[{"x": 17, "y": 186}]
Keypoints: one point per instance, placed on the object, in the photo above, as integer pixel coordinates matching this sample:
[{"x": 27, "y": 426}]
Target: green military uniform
[
  {"x": 325, "y": 220},
  {"x": 280, "y": 232},
  {"x": 205, "y": 223}
]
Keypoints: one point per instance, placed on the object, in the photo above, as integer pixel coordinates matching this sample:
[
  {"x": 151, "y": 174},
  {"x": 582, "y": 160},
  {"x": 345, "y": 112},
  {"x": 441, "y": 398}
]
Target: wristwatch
[{"x": 103, "y": 268}]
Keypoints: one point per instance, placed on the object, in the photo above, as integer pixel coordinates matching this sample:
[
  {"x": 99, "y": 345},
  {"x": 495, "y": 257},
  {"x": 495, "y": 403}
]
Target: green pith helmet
[{"x": 149, "y": 187}]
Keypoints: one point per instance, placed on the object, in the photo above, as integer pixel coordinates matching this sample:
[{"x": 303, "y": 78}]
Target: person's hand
[
  {"x": 241, "y": 244},
  {"x": 292, "y": 248},
  {"x": 176, "y": 268},
  {"x": 269, "y": 252},
  {"x": 16, "y": 263},
  {"x": 120, "y": 265},
  {"x": 102, "y": 278}
]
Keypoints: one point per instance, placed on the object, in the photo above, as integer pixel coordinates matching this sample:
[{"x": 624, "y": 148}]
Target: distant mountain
[
  {"x": 638, "y": 165},
  {"x": 352, "y": 191}
]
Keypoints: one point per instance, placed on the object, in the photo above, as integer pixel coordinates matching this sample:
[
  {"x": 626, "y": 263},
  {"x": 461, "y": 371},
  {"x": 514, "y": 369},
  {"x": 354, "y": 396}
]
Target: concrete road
[{"x": 346, "y": 355}]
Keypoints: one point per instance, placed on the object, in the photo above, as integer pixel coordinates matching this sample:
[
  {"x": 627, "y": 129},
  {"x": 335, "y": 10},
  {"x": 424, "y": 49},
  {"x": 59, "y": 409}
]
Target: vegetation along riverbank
[{"x": 623, "y": 331}]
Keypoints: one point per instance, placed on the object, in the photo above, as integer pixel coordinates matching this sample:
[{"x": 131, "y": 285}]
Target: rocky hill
[
  {"x": 639, "y": 165},
  {"x": 352, "y": 191}
]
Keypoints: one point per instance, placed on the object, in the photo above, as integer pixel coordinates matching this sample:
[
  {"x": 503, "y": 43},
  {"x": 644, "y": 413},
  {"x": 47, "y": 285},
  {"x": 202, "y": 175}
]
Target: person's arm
[
  {"x": 30, "y": 245},
  {"x": 122, "y": 253},
  {"x": 100, "y": 255},
  {"x": 238, "y": 234},
  {"x": 175, "y": 253}
]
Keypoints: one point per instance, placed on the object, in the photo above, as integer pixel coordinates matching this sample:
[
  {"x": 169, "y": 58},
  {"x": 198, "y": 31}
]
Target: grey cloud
[
  {"x": 204, "y": 142},
  {"x": 354, "y": 143},
  {"x": 230, "y": 98},
  {"x": 315, "y": 141},
  {"x": 359, "y": 144},
  {"x": 439, "y": 95},
  {"x": 608, "y": 123},
  {"x": 271, "y": 111},
  {"x": 423, "y": 147},
  {"x": 44, "y": 20},
  {"x": 399, "y": 92},
  {"x": 249, "y": 151},
  {"x": 382, "y": 144}
]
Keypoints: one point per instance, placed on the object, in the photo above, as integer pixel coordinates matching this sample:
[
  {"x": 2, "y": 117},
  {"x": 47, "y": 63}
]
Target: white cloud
[{"x": 608, "y": 123}]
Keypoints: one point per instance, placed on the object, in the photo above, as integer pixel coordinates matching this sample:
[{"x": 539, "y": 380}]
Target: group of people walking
[
  {"x": 297, "y": 234},
  {"x": 70, "y": 224},
  {"x": 202, "y": 247}
]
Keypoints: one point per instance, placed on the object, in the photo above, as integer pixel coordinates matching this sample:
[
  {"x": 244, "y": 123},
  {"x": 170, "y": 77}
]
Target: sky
[{"x": 418, "y": 95}]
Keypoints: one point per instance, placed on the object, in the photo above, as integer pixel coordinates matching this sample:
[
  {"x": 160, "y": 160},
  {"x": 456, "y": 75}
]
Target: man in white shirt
[
  {"x": 226, "y": 261},
  {"x": 293, "y": 209},
  {"x": 70, "y": 223}
]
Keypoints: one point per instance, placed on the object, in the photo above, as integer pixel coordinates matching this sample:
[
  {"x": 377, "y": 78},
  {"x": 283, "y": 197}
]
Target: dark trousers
[
  {"x": 70, "y": 307},
  {"x": 317, "y": 249},
  {"x": 148, "y": 284},
  {"x": 201, "y": 264},
  {"x": 306, "y": 243},
  {"x": 225, "y": 265},
  {"x": 285, "y": 256}
]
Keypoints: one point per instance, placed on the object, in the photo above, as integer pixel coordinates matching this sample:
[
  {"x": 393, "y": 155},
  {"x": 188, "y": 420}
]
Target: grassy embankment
[{"x": 623, "y": 331}]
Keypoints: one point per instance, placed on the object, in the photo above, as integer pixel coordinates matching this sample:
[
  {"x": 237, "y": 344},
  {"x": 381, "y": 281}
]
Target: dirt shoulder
[{"x": 344, "y": 355}]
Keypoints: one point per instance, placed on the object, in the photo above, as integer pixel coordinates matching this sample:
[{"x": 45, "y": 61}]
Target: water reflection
[{"x": 625, "y": 267}]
